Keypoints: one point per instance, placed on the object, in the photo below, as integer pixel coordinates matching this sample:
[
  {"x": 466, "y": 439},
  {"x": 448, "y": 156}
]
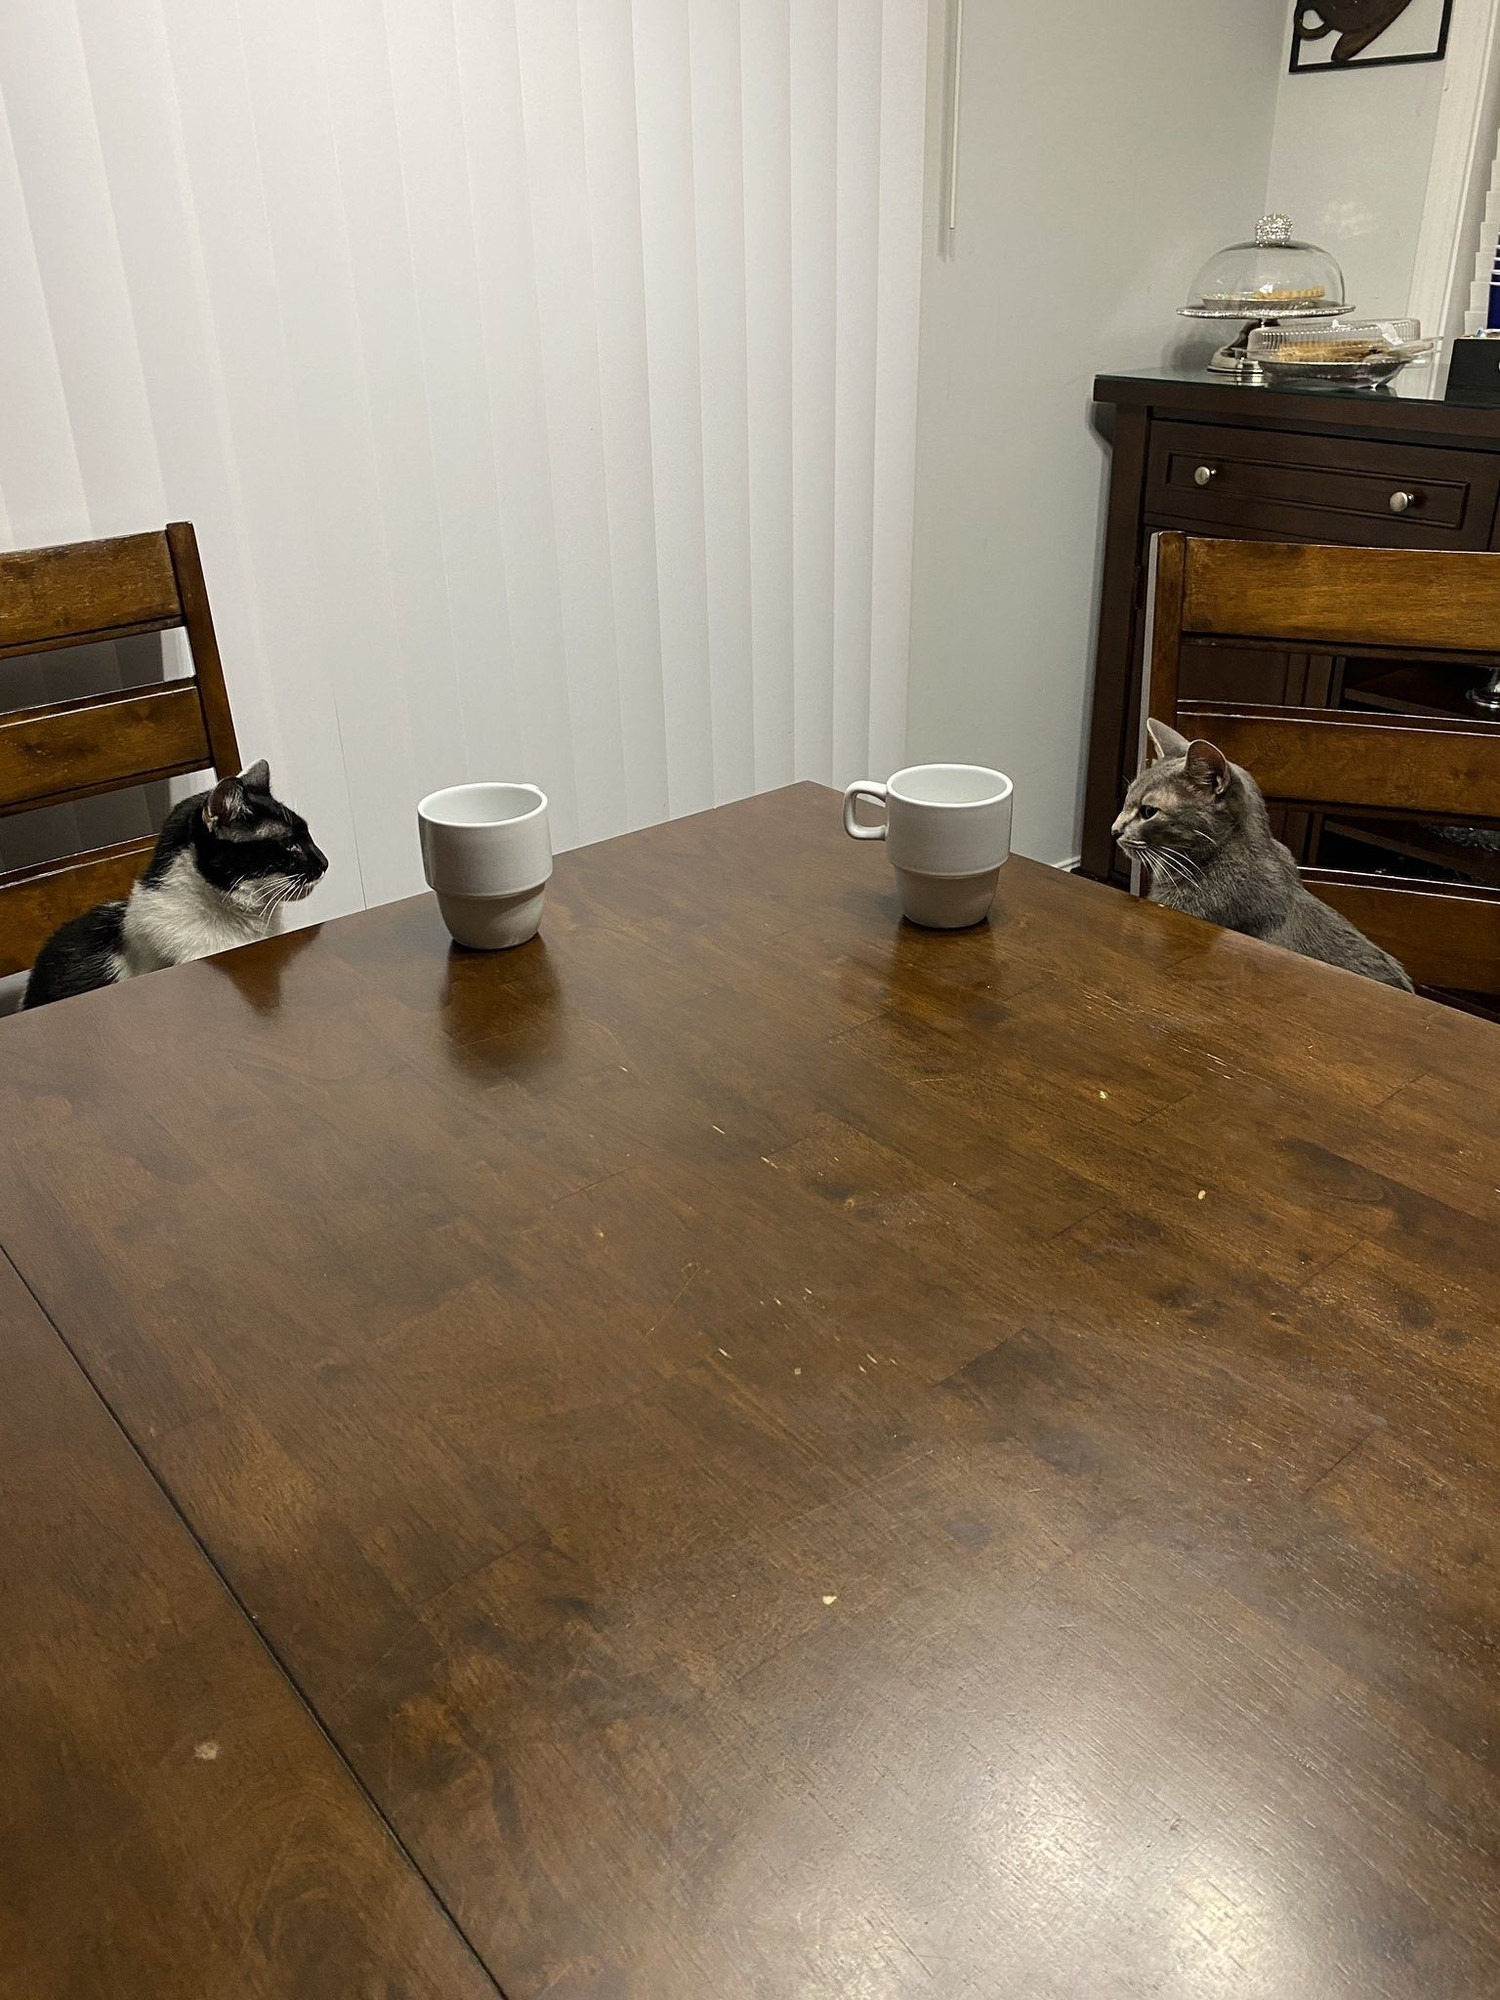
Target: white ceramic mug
[
  {"x": 947, "y": 832},
  {"x": 487, "y": 852}
]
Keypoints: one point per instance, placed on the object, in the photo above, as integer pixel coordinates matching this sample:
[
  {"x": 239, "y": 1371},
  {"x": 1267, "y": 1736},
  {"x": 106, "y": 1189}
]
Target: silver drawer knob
[
  {"x": 1206, "y": 474},
  {"x": 1401, "y": 501}
]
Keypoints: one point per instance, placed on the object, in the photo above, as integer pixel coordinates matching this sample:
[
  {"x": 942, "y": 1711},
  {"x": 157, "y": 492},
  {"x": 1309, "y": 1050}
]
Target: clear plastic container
[{"x": 1349, "y": 350}]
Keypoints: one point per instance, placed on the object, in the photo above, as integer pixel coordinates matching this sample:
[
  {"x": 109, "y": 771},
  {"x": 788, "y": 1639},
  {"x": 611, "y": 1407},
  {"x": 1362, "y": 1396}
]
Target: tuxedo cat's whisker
[{"x": 271, "y": 897}]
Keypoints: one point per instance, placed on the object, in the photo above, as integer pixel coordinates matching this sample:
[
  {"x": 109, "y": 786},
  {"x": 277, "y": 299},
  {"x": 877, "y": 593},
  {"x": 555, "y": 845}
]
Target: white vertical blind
[{"x": 540, "y": 374}]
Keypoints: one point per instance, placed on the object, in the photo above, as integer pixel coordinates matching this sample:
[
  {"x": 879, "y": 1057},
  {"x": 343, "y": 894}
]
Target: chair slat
[
  {"x": 1445, "y": 935},
  {"x": 1434, "y": 600},
  {"x": 34, "y": 901},
  {"x": 73, "y": 748},
  {"x": 85, "y": 589},
  {"x": 1342, "y": 758}
]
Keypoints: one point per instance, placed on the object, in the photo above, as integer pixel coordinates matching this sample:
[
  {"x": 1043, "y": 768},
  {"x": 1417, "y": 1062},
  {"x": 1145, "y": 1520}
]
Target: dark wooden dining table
[{"x": 746, "y": 1449}]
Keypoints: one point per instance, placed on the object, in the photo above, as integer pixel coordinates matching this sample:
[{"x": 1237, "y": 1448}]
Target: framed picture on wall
[{"x": 1356, "y": 34}]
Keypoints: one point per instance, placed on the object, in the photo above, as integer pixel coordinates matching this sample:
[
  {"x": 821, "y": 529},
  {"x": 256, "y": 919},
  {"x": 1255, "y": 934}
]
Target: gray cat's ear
[
  {"x": 257, "y": 778},
  {"x": 1207, "y": 764},
  {"x": 225, "y": 802},
  {"x": 1165, "y": 740}
]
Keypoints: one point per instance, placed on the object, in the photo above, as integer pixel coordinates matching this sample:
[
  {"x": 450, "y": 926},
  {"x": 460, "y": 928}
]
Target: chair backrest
[
  {"x": 80, "y": 594},
  {"x": 1351, "y": 602}
]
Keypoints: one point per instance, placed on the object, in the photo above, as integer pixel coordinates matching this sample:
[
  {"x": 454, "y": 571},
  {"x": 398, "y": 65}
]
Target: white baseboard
[{"x": 1073, "y": 862}]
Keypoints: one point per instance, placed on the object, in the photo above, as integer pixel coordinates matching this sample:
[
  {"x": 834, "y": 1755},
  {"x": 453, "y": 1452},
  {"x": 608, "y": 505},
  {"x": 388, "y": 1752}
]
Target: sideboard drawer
[{"x": 1325, "y": 489}]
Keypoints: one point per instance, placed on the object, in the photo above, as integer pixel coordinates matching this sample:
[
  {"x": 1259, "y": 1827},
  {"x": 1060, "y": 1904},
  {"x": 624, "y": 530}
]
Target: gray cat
[{"x": 1199, "y": 825}]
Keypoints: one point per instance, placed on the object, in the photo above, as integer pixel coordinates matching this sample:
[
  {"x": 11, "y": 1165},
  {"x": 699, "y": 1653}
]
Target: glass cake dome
[
  {"x": 1260, "y": 283},
  {"x": 1275, "y": 276}
]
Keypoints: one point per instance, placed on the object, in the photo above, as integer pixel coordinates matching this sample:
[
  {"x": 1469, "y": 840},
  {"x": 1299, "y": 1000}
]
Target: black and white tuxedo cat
[{"x": 227, "y": 863}]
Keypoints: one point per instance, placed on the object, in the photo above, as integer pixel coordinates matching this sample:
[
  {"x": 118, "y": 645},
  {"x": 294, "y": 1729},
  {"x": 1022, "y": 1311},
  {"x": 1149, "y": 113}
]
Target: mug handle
[{"x": 864, "y": 788}]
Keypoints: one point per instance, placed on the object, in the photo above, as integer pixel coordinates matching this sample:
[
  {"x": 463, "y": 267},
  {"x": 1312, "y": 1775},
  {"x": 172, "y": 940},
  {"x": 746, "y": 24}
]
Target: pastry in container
[{"x": 1361, "y": 352}]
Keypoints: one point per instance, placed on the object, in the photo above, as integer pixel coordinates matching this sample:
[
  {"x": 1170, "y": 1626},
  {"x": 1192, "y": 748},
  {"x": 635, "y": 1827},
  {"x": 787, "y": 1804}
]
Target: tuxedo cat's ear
[
  {"x": 1207, "y": 765},
  {"x": 257, "y": 778},
  {"x": 225, "y": 802},
  {"x": 1165, "y": 740}
]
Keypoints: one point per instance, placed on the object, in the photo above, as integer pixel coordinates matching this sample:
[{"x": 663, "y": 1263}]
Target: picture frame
[{"x": 1366, "y": 34}]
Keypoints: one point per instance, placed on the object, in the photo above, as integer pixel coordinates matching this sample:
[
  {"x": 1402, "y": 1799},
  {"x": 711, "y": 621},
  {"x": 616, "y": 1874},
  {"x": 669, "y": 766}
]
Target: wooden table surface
[
  {"x": 789, "y": 1456},
  {"x": 173, "y": 1822}
]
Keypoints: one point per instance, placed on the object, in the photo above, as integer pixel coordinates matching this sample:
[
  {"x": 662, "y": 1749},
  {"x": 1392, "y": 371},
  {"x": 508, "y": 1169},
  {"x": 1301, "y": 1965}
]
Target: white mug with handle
[{"x": 947, "y": 831}]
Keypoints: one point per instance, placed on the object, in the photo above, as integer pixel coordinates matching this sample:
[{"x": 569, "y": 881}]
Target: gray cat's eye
[{"x": 1148, "y": 812}]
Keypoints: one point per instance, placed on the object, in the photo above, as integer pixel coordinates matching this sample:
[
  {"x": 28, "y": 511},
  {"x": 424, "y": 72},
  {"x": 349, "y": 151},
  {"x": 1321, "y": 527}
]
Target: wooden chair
[
  {"x": 1353, "y": 603},
  {"x": 80, "y": 594}
]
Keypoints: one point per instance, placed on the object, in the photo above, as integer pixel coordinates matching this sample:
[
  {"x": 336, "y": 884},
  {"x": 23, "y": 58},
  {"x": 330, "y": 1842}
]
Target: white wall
[
  {"x": 1107, "y": 147},
  {"x": 540, "y": 375},
  {"x": 1349, "y": 163}
]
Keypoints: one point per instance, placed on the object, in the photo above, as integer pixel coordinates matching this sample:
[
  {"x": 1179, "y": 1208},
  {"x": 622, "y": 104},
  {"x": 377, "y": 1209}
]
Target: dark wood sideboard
[{"x": 1392, "y": 468}]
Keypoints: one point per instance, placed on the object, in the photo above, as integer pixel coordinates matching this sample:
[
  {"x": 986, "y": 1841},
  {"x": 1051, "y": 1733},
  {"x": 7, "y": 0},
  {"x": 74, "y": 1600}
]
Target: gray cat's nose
[{"x": 1121, "y": 822}]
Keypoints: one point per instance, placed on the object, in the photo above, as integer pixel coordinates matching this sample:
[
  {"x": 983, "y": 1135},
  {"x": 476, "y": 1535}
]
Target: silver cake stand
[{"x": 1235, "y": 359}]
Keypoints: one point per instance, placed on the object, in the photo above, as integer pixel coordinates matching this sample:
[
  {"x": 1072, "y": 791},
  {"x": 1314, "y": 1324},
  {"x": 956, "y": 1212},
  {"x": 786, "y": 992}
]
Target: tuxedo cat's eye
[{"x": 1148, "y": 812}]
